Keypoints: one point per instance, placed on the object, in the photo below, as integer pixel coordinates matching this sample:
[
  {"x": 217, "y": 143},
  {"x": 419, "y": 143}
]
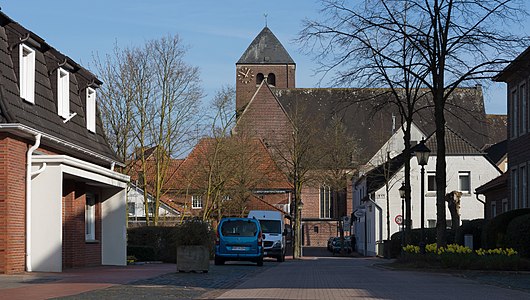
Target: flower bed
[{"x": 460, "y": 257}]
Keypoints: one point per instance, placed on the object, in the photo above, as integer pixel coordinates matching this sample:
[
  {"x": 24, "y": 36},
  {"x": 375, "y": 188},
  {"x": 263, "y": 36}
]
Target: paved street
[{"x": 318, "y": 276}]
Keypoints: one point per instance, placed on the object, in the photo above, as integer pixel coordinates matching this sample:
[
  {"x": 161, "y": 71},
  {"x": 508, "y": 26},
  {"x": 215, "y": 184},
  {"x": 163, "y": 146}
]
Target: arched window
[
  {"x": 259, "y": 78},
  {"x": 271, "y": 79}
]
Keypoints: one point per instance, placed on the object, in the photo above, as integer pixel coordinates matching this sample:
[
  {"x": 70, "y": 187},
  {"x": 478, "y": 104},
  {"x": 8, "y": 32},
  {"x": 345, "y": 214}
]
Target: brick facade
[
  {"x": 284, "y": 77},
  {"x": 77, "y": 252},
  {"x": 12, "y": 204}
]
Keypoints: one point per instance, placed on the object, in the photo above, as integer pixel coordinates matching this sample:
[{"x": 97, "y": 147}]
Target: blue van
[{"x": 239, "y": 239}]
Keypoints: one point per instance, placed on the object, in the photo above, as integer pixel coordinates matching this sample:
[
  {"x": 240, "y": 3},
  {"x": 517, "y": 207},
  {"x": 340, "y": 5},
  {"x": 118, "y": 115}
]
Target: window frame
[
  {"x": 27, "y": 73},
  {"x": 325, "y": 202},
  {"x": 523, "y": 178},
  {"x": 462, "y": 174},
  {"x": 63, "y": 93},
  {"x": 523, "y": 102},
  {"x": 515, "y": 188},
  {"x": 90, "y": 217},
  {"x": 196, "y": 202},
  {"x": 91, "y": 109},
  {"x": 493, "y": 207},
  {"x": 430, "y": 175}
]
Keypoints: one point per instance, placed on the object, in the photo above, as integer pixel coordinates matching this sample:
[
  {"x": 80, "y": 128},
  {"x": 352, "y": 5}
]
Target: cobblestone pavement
[{"x": 182, "y": 285}]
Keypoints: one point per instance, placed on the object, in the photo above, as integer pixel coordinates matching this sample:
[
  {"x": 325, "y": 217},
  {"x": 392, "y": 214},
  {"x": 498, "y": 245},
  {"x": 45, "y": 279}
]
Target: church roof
[
  {"x": 465, "y": 114},
  {"x": 266, "y": 49}
]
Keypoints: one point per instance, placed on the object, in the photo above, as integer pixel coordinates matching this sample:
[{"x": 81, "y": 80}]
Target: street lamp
[
  {"x": 422, "y": 154},
  {"x": 402, "y": 192}
]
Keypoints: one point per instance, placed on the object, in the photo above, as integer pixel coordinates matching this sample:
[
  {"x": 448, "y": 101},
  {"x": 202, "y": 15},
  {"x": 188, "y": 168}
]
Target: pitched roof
[
  {"x": 497, "y": 152},
  {"x": 497, "y": 125},
  {"x": 465, "y": 113},
  {"x": 521, "y": 62},
  {"x": 71, "y": 137},
  {"x": 265, "y": 171},
  {"x": 500, "y": 182},
  {"x": 455, "y": 144},
  {"x": 265, "y": 49}
]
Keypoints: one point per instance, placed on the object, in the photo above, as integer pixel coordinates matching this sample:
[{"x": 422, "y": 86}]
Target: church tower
[{"x": 265, "y": 59}]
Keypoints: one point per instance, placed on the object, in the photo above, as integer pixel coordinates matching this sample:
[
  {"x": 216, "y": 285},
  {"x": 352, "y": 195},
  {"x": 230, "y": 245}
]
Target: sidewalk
[{"x": 71, "y": 282}]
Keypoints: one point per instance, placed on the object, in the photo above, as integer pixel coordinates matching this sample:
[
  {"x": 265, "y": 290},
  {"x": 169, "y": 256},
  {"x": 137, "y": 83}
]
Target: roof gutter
[{"x": 31, "y": 133}]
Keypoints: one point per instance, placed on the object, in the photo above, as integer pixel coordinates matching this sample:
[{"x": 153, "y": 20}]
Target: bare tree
[
  {"x": 152, "y": 103},
  {"x": 444, "y": 44}
]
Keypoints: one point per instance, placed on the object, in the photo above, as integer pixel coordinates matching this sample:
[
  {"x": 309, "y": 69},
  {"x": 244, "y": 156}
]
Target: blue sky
[{"x": 217, "y": 32}]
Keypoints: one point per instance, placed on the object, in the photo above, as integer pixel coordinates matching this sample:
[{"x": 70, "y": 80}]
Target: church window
[
  {"x": 271, "y": 79},
  {"x": 259, "y": 78}
]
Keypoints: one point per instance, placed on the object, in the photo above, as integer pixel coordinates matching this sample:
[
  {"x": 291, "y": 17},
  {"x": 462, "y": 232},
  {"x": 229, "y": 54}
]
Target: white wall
[
  {"x": 113, "y": 227},
  {"x": 46, "y": 220},
  {"x": 481, "y": 171}
]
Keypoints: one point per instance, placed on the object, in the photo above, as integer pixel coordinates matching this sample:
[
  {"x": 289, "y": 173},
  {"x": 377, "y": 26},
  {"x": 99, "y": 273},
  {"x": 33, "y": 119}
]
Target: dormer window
[
  {"x": 63, "y": 93},
  {"x": 91, "y": 109},
  {"x": 27, "y": 73}
]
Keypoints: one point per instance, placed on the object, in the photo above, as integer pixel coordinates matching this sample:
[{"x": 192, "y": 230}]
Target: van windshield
[
  {"x": 271, "y": 226},
  {"x": 239, "y": 228}
]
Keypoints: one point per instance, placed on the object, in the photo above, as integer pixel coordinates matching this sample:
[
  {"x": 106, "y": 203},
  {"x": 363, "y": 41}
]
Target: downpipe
[{"x": 29, "y": 175}]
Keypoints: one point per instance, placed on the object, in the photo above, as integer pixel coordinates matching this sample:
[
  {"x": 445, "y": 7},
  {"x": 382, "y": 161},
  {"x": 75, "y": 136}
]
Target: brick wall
[
  {"x": 285, "y": 78},
  {"x": 12, "y": 204},
  {"x": 312, "y": 238},
  {"x": 76, "y": 251}
]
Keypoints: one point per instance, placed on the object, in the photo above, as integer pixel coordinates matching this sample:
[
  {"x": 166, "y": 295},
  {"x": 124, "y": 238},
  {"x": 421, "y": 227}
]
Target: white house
[
  {"x": 167, "y": 211},
  {"x": 467, "y": 169}
]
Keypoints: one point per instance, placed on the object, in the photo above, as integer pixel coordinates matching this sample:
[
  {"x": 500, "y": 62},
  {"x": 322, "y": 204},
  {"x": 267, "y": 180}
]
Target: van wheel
[
  {"x": 281, "y": 258},
  {"x": 218, "y": 261},
  {"x": 260, "y": 262}
]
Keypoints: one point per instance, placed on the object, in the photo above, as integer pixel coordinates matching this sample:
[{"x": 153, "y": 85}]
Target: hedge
[
  {"x": 518, "y": 235},
  {"x": 159, "y": 243},
  {"x": 495, "y": 230}
]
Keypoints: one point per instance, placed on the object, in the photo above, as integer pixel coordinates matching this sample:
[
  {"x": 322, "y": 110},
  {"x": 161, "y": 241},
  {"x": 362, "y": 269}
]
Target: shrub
[
  {"x": 430, "y": 237},
  {"x": 142, "y": 253},
  {"x": 194, "y": 233},
  {"x": 495, "y": 230},
  {"x": 160, "y": 239},
  {"x": 459, "y": 257},
  {"x": 517, "y": 235},
  {"x": 475, "y": 228}
]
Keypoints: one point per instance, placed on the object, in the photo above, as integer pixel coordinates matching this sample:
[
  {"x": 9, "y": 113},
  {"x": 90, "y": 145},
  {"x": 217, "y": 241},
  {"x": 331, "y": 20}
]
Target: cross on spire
[{"x": 265, "y": 15}]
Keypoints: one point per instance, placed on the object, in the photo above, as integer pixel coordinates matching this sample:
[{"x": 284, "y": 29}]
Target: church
[{"x": 267, "y": 100}]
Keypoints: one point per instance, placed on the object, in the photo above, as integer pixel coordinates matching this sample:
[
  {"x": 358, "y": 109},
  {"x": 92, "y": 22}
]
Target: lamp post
[
  {"x": 299, "y": 227},
  {"x": 402, "y": 191},
  {"x": 422, "y": 154}
]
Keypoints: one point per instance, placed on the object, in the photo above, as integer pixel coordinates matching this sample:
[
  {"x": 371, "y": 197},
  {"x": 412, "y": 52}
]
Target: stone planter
[{"x": 193, "y": 258}]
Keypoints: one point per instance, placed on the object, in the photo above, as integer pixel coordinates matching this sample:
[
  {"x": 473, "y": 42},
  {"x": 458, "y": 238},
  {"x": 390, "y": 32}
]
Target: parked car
[
  {"x": 239, "y": 239},
  {"x": 344, "y": 245},
  {"x": 330, "y": 242}
]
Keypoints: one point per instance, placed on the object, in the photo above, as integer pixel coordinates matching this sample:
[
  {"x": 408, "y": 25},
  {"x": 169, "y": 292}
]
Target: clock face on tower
[{"x": 245, "y": 75}]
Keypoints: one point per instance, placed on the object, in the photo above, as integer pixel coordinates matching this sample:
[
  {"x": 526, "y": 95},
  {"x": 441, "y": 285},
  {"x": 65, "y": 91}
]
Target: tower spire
[{"x": 265, "y": 15}]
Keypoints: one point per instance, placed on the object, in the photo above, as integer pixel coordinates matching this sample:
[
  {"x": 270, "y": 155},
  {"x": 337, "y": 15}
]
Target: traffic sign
[{"x": 399, "y": 219}]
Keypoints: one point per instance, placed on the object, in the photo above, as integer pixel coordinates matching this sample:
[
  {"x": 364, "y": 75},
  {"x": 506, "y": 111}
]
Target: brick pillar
[{"x": 12, "y": 204}]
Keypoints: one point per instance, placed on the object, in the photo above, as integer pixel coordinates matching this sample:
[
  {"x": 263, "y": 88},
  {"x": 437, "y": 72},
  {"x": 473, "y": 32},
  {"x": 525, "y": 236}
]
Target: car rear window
[{"x": 239, "y": 228}]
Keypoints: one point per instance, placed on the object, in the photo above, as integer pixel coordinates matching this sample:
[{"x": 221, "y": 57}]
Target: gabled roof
[
  {"x": 265, "y": 49},
  {"x": 72, "y": 137},
  {"x": 188, "y": 174},
  {"x": 455, "y": 144}
]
